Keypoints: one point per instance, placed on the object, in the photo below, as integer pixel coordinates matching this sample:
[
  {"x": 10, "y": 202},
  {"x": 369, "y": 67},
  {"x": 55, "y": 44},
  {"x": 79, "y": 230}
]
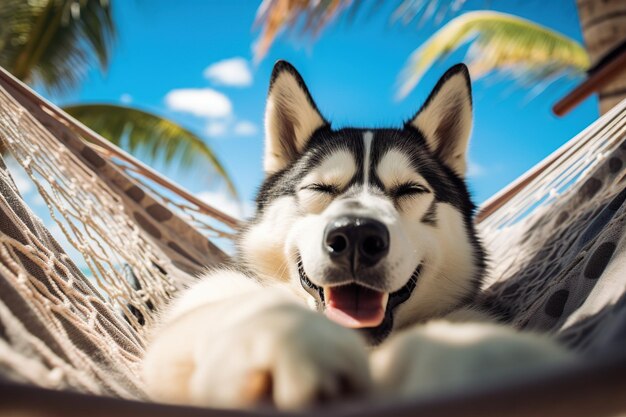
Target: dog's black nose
[{"x": 356, "y": 242}]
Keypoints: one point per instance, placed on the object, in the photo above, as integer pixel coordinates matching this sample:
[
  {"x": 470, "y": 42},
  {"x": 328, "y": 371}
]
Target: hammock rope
[{"x": 542, "y": 187}]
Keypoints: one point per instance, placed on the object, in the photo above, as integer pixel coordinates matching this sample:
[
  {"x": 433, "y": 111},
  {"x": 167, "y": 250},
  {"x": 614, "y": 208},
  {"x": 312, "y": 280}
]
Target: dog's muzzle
[{"x": 349, "y": 295}]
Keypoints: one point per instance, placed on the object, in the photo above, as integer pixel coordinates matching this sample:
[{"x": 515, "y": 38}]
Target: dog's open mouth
[
  {"x": 355, "y": 306},
  {"x": 359, "y": 307}
]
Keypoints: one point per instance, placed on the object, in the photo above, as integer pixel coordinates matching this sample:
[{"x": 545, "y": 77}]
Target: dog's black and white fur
[{"x": 356, "y": 275}]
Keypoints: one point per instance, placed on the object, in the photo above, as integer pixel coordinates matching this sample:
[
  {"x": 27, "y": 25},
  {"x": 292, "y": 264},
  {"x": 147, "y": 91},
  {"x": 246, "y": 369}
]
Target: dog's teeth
[
  {"x": 325, "y": 292},
  {"x": 385, "y": 300}
]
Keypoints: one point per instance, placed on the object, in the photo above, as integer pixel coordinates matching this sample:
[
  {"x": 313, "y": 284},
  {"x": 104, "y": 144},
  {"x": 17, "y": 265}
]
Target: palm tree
[
  {"x": 53, "y": 43},
  {"x": 499, "y": 42}
]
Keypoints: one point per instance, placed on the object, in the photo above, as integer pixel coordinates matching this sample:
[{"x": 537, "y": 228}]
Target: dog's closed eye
[
  {"x": 322, "y": 188},
  {"x": 408, "y": 190}
]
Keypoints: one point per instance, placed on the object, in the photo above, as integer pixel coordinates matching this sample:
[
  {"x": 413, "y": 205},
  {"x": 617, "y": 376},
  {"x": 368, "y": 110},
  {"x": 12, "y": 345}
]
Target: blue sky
[{"x": 351, "y": 70}]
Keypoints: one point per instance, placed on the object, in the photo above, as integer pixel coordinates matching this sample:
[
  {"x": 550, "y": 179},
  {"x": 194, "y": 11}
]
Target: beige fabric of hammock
[{"x": 556, "y": 239}]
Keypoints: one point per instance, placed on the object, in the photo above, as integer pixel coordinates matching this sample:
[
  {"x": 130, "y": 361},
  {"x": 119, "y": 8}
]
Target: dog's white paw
[
  {"x": 289, "y": 355},
  {"x": 443, "y": 356},
  {"x": 283, "y": 354}
]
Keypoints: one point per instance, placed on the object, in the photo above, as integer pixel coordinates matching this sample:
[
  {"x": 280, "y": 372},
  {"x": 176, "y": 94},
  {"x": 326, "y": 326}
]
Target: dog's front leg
[
  {"x": 450, "y": 354},
  {"x": 228, "y": 342}
]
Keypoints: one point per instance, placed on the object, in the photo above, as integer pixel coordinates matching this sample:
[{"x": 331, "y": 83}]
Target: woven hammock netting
[{"x": 556, "y": 240}]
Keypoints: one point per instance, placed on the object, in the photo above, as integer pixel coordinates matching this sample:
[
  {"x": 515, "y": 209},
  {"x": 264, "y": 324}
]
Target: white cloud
[
  {"x": 224, "y": 202},
  {"x": 21, "y": 179},
  {"x": 126, "y": 98},
  {"x": 245, "y": 128},
  {"x": 475, "y": 170},
  {"x": 219, "y": 128},
  {"x": 202, "y": 102},
  {"x": 216, "y": 128},
  {"x": 234, "y": 72},
  {"x": 38, "y": 200}
]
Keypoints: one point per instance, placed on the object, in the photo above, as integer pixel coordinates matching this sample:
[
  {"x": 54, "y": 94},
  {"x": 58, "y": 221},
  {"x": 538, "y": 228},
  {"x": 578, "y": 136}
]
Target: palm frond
[
  {"x": 148, "y": 135},
  {"x": 54, "y": 42},
  {"x": 314, "y": 15},
  {"x": 275, "y": 15},
  {"x": 499, "y": 42},
  {"x": 409, "y": 10}
]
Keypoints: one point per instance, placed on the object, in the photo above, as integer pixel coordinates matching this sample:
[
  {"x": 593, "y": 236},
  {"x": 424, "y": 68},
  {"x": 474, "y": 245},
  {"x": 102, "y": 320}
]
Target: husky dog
[{"x": 356, "y": 275}]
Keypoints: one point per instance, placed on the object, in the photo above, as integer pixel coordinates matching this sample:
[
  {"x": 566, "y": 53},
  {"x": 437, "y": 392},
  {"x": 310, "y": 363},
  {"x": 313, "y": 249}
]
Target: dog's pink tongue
[{"x": 355, "y": 306}]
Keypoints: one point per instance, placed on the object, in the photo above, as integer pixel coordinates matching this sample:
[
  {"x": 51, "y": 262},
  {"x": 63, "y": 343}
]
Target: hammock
[{"x": 71, "y": 339}]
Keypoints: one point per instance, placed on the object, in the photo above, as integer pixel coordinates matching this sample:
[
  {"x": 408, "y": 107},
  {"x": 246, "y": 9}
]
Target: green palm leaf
[
  {"x": 53, "y": 43},
  {"x": 149, "y": 135},
  {"x": 498, "y": 42}
]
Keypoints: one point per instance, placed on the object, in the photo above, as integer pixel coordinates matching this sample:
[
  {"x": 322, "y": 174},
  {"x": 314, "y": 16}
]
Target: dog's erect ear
[
  {"x": 445, "y": 119},
  {"x": 291, "y": 117}
]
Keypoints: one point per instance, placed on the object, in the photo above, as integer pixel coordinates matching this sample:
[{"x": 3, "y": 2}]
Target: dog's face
[{"x": 371, "y": 226}]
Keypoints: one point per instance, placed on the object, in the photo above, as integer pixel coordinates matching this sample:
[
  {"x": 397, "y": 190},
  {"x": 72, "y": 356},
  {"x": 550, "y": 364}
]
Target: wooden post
[{"x": 603, "y": 23}]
